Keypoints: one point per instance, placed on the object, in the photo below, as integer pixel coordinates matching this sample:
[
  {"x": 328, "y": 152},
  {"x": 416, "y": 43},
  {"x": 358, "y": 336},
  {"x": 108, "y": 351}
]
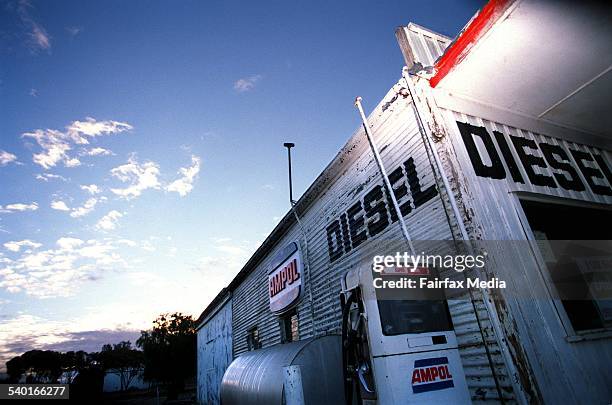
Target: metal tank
[{"x": 258, "y": 377}]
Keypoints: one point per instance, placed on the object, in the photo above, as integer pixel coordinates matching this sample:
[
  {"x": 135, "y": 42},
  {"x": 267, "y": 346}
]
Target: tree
[
  {"x": 41, "y": 366},
  {"x": 15, "y": 368},
  {"x": 73, "y": 363},
  {"x": 122, "y": 360},
  {"x": 170, "y": 351}
]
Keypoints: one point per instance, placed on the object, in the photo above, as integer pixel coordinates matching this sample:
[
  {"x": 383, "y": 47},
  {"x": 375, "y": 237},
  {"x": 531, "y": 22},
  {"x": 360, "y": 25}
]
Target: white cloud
[
  {"x": 54, "y": 147},
  {"x": 49, "y": 176},
  {"x": 69, "y": 243},
  {"x": 184, "y": 184},
  {"x": 72, "y": 162},
  {"x": 38, "y": 39},
  {"x": 246, "y": 83},
  {"x": 15, "y": 246},
  {"x": 59, "y": 205},
  {"x": 109, "y": 221},
  {"x": 80, "y": 130},
  {"x": 18, "y": 207},
  {"x": 110, "y": 323},
  {"x": 127, "y": 242},
  {"x": 29, "y": 328},
  {"x": 59, "y": 272},
  {"x": 139, "y": 176},
  {"x": 98, "y": 152},
  {"x": 56, "y": 144},
  {"x": 91, "y": 189},
  {"x": 85, "y": 209},
  {"x": 33, "y": 92},
  {"x": 6, "y": 158}
]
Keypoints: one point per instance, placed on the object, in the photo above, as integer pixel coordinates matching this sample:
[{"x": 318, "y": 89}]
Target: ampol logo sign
[
  {"x": 285, "y": 279},
  {"x": 431, "y": 375}
]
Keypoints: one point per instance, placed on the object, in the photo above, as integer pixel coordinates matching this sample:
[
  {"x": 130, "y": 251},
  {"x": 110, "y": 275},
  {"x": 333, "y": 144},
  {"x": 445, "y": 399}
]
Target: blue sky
[{"x": 141, "y": 157}]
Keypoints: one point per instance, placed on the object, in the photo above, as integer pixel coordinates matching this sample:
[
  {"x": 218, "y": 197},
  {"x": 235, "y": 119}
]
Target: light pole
[{"x": 290, "y": 145}]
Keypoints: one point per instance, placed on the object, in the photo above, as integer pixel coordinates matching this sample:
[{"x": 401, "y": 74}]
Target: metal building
[
  {"x": 214, "y": 347},
  {"x": 495, "y": 136}
]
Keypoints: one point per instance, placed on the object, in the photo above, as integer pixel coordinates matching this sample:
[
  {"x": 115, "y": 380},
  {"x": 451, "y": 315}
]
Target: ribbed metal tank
[{"x": 256, "y": 377}]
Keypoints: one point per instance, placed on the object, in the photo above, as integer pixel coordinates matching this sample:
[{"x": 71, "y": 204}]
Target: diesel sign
[
  {"x": 373, "y": 213},
  {"x": 566, "y": 165}
]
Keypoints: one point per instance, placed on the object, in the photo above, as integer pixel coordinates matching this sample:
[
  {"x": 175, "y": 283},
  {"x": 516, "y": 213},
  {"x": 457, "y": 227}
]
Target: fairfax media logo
[{"x": 431, "y": 375}]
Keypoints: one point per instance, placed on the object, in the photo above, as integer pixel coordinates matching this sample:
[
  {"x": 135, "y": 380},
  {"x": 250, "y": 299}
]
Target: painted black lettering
[
  {"x": 419, "y": 196},
  {"x": 604, "y": 167},
  {"x": 529, "y": 161},
  {"x": 356, "y": 224},
  {"x": 346, "y": 237},
  {"x": 496, "y": 169},
  {"x": 551, "y": 152},
  {"x": 334, "y": 240},
  {"x": 392, "y": 213},
  {"x": 507, "y": 154},
  {"x": 401, "y": 191},
  {"x": 375, "y": 207},
  {"x": 590, "y": 173}
]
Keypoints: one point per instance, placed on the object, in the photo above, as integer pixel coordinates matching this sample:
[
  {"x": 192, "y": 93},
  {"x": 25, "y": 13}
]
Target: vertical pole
[
  {"x": 383, "y": 172},
  {"x": 486, "y": 296},
  {"x": 290, "y": 145}
]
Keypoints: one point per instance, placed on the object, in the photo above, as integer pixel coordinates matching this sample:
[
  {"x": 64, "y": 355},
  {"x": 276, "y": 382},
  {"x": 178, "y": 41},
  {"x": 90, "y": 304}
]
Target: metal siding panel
[{"x": 214, "y": 354}]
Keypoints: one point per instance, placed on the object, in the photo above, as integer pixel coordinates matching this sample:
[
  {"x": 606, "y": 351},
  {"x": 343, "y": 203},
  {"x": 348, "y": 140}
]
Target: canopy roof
[{"x": 547, "y": 60}]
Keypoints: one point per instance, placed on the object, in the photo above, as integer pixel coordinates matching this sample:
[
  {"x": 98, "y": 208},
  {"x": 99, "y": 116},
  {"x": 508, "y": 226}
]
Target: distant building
[{"x": 112, "y": 381}]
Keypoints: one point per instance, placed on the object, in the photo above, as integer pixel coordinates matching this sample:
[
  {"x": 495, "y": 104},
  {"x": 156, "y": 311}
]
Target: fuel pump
[
  {"x": 399, "y": 349},
  {"x": 358, "y": 378}
]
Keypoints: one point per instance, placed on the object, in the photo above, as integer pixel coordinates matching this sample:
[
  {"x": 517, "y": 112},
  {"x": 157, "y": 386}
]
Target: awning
[{"x": 549, "y": 60}]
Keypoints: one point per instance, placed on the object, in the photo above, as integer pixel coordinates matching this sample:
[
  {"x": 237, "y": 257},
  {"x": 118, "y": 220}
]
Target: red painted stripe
[{"x": 470, "y": 35}]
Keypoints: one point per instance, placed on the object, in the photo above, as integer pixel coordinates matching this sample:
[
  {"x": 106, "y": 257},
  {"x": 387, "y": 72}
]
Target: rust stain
[{"x": 519, "y": 357}]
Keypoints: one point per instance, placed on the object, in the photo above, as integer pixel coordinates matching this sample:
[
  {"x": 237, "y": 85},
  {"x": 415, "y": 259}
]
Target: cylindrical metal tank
[{"x": 257, "y": 377}]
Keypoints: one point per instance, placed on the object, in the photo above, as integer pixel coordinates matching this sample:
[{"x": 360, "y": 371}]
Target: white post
[{"x": 383, "y": 172}]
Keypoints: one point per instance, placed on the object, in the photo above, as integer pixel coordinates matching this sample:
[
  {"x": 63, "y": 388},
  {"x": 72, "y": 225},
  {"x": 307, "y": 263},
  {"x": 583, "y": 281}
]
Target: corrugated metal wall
[
  {"x": 350, "y": 176},
  {"x": 565, "y": 371},
  {"x": 214, "y": 353}
]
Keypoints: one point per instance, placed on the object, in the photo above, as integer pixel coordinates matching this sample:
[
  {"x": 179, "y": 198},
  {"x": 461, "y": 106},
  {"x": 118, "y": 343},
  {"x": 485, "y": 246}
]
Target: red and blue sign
[{"x": 431, "y": 375}]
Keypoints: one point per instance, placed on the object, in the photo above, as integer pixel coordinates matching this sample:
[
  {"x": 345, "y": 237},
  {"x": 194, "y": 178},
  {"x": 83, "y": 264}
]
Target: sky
[{"x": 141, "y": 157}]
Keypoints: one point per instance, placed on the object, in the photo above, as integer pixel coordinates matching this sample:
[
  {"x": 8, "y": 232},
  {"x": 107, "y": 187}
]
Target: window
[
  {"x": 411, "y": 316},
  {"x": 253, "y": 342},
  {"x": 577, "y": 270},
  {"x": 289, "y": 327}
]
